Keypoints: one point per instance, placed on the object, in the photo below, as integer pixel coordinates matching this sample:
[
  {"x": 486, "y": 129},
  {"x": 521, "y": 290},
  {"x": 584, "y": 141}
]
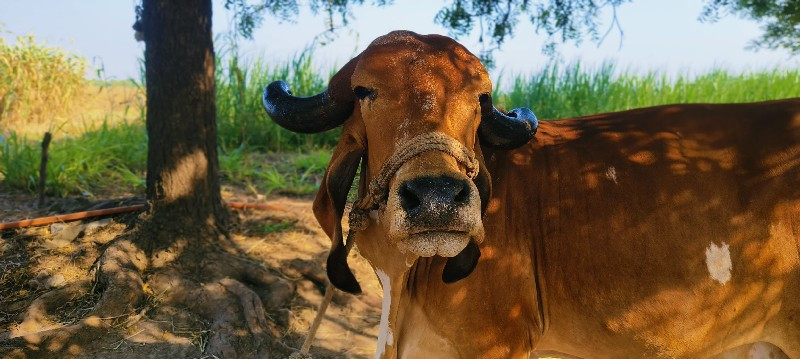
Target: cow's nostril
[
  {"x": 434, "y": 197},
  {"x": 462, "y": 196},
  {"x": 409, "y": 200}
]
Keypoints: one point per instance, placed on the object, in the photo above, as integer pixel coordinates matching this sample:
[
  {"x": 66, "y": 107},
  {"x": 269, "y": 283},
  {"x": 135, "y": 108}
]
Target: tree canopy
[
  {"x": 561, "y": 20},
  {"x": 780, "y": 20}
]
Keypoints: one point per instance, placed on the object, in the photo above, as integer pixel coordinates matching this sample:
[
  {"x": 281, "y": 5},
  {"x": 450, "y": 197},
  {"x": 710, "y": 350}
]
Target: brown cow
[{"x": 671, "y": 231}]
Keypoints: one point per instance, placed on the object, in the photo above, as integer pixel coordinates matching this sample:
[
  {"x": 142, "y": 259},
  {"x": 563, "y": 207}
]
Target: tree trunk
[
  {"x": 182, "y": 167},
  {"x": 179, "y": 258}
]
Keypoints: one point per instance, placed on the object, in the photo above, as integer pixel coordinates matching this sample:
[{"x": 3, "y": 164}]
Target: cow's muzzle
[
  {"x": 434, "y": 215},
  {"x": 434, "y": 202},
  {"x": 432, "y": 206}
]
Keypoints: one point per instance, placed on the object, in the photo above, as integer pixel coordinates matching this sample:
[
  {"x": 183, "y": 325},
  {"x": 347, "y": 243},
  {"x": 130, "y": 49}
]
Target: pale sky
[{"x": 662, "y": 35}]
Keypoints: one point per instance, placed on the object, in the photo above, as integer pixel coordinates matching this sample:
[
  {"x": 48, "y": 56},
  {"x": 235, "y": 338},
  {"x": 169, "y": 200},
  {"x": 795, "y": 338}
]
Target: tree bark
[{"x": 183, "y": 189}]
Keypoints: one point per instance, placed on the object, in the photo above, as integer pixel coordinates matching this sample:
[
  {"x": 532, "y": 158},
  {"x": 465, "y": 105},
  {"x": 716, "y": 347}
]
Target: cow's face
[
  {"x": 413, "y": 108},
  {"x": 407, "y": 89}
]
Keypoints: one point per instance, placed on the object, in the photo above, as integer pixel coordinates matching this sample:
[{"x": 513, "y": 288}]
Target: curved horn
[
  {"x": 304, "y": 114},
  {"x": 505, "y": 131}
]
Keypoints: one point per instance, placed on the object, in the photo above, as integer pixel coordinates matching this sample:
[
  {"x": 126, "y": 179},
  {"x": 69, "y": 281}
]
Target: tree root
[
  {"x": 36, "y": 318},
  {"x": 119, "y": 276},
  {"x": 239, "y": 326}
]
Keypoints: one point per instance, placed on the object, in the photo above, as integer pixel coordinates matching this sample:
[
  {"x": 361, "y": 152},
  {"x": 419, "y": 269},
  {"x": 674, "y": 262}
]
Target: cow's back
[{"x": 659, "y": 230}]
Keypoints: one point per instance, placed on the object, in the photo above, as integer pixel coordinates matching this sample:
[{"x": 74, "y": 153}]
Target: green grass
[
  {"x": 264, "y": 158},
  {"x": 113, "y": 159},
  {"x": 273, "y": 227},
  {"x": 296, "y": 173},
  {"x": 240, "y": 115},
  {"x": 103, "y": 158},
  {"x": 557, "y": 92}
]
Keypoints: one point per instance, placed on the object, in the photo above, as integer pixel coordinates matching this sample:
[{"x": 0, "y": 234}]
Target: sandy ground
[{"x": 289, "y": 242}]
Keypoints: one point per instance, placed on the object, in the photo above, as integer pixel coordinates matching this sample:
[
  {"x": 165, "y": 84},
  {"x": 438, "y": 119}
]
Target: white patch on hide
[
  {"x": 718, "y": 261},
  {"x": 611, "y": 173},
  {"x": 385, "y": 336}
]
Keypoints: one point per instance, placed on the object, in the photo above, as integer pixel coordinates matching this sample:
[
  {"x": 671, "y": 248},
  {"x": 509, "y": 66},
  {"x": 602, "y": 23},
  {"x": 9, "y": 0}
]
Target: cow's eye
[{"x": 363, "y": 92}]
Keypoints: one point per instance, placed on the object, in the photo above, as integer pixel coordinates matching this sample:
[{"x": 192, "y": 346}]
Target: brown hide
[
  {"x": 666, "y": 232},
  {"x": 597, "y": 237}
]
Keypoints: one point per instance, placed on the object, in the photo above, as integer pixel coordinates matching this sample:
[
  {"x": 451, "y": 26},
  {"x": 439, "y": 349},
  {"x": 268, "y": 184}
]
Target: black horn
[
  {"x": 313, "y": 114},
  {"x": 505, "y": 131}
]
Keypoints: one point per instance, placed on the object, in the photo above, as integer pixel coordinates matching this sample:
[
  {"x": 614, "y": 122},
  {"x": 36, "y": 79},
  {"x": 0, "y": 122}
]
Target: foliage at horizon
[
  {"x": 263, "y": 157},
  {"x": 780, "y": 20}
]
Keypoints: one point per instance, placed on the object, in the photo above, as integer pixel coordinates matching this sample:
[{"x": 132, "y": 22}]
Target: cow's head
[{"x": 414, "y": 108}]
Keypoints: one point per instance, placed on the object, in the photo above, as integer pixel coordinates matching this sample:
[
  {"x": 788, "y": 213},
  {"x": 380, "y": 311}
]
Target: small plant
[
  {"x": 273, "y": 227},
  {"x": 289, "y": 173}
]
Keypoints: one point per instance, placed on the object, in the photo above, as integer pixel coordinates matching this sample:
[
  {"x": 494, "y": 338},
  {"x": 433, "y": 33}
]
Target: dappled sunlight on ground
[{"x": 57, "y": 259}]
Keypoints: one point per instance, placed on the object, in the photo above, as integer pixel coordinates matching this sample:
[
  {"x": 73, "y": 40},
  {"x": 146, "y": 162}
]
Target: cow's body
[
  {"x": 670, "y": 232},
  {"x": 599, "y": 234}
]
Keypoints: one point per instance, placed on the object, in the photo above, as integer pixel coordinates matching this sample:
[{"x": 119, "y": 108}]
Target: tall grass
[
  {"x": 256, "y": 153},
  {"x": 559, "y": 92},
  {"x": 37, "y": 82},
  {"x": 241, "y": 119}
]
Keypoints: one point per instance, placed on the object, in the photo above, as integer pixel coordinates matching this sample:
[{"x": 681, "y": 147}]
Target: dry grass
[
  {"x": 37, "y": 82},
  {"x": 93, "y": 106},
  {"x": 44, "y": 88}
]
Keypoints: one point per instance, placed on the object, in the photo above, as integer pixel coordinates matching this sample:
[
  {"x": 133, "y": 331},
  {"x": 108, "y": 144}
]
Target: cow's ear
[
  {"x": 330, "y": 202},
  {"x": 460, "y": 266}
]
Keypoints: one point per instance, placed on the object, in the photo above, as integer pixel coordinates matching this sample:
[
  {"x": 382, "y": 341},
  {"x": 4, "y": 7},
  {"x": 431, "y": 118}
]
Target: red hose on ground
[{"x": 103, "y": 212}]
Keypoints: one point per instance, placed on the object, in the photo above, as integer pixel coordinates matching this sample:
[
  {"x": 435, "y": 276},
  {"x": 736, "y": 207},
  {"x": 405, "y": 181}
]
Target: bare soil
[{"x": 47, "y": 285}]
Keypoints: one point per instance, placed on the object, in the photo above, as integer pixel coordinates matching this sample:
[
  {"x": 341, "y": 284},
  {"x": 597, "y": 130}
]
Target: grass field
[{"x": 100, "y": 143}]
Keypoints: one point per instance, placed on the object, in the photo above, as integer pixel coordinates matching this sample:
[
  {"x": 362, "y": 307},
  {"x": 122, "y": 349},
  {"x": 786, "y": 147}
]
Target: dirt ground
[{"x": 35, "y": 261}]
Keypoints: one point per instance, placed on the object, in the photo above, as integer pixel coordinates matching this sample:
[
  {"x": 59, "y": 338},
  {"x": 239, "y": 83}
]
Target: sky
[{"x": 660, "y": 35}]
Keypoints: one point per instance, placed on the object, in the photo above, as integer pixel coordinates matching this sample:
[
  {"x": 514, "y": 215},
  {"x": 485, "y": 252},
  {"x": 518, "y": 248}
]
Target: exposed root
[
  {"x": 39, "y": 316},
  {"x": 273, "y": 290},
  {"x": 238, "y": 322},
  {"x": 119, "y": 277}
]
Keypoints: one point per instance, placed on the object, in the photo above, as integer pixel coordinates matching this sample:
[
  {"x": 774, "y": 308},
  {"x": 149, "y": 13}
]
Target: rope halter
[{"x": 378, "y": 190}]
